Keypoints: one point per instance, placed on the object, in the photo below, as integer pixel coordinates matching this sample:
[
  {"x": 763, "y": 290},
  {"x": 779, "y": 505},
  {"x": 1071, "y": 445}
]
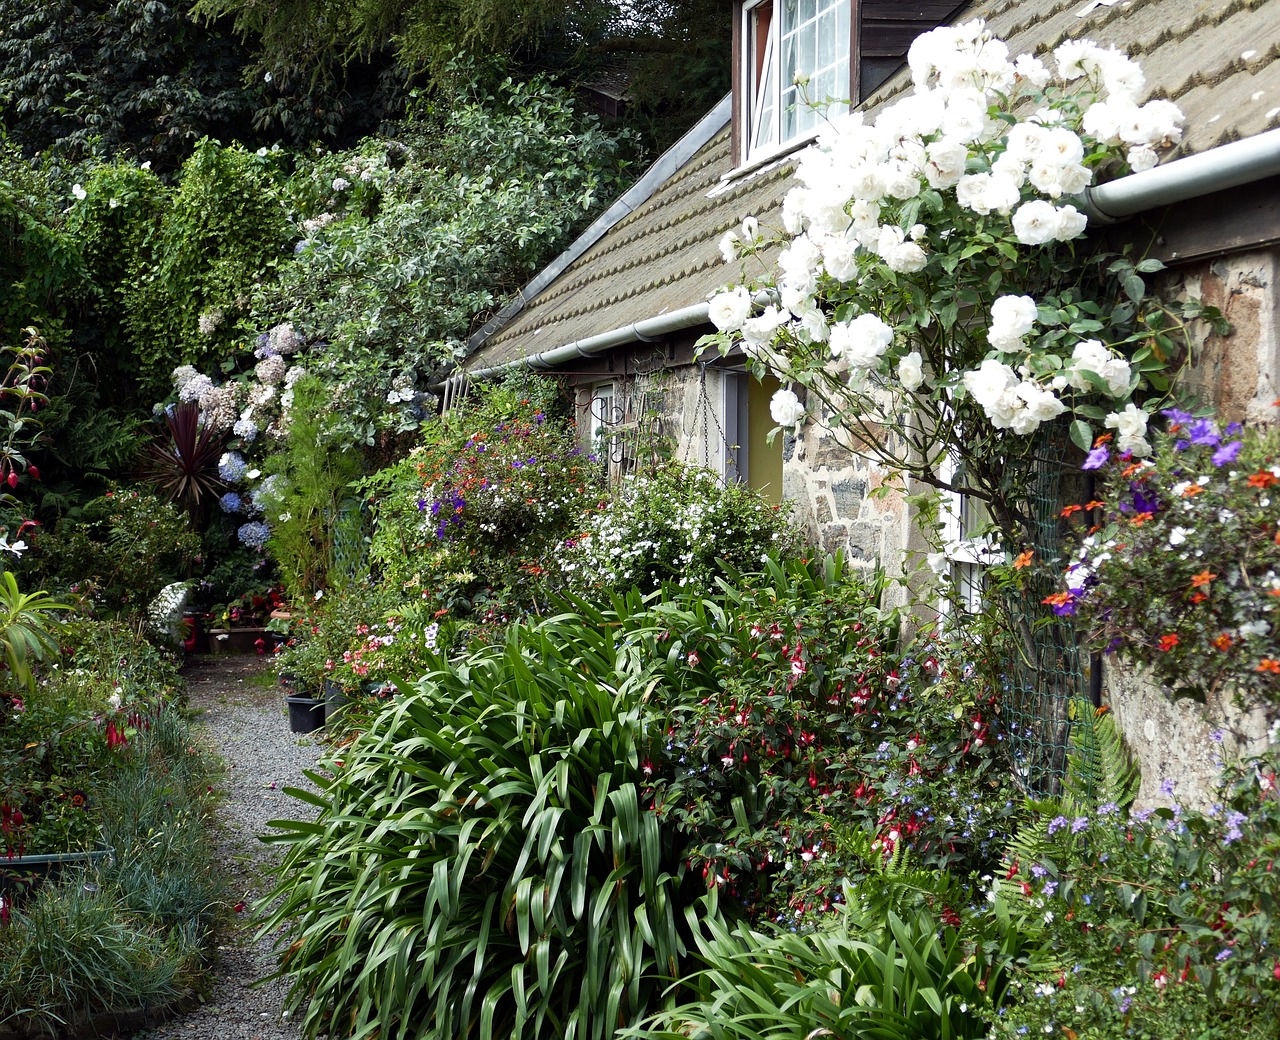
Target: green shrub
[
  {"x": 482, "y": 862},
  {"x": 677, "y": 524},
  {"x": 120, "y": 552},
  {"x": 307, "y": 496},
  {"x": 411, "y": 240},
  {"x": 483, "y": 506},
  {"x": 135, "y": 929},
  {"x": 1160, "y": 922},
  {"x": 892, "y": 974}
]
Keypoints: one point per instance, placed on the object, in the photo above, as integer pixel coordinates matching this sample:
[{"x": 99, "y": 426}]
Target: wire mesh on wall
[{"x": 1047, "y": 713}]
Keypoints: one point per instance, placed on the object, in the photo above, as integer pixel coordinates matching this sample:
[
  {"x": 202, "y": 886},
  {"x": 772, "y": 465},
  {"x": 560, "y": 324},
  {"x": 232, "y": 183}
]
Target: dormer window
[
  {"x": 783, "y": 41},
  {"x": 842, "y": 50}
]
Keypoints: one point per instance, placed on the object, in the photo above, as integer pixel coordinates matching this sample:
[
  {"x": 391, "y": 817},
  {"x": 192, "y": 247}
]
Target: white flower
[
  {"x": 987, "y": 192},
  {"x": 729, "y": 246},
  {"x": 730, "y": 309},
  {"x": 990, "y": 383},
  {"x": 1091, "y": 356},
  {"x": 862, "y": 341},
  {"x": 1076, "y": 58},
  {"x": 1038, "y": 222},
  {"x": 786, "y": 410},
  {"x": 1032, "y": 70},
  {"x": 911, "y": 371},
  {"x": 78, "y": 191},
  {"x": 759, "y": 330},
  {"x": 341, "y": 184},
  {"x": 1132, "y": 422},
  {"x": 1012, "y": 317}
]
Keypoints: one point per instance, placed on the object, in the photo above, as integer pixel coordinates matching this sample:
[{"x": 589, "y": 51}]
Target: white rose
[
  {"x": 786, "y": 410},
  {"x": 1132, "y": 422},
  {"x": 1014, "y": 314},
  {"x": 989, "y": 381},
  {"x": 911, "y": 371},
  {"x": 1036, "y": 223},
  {"x": 861, "y": 341},
  {"x": 729, "y": 309},
  {"x": 760, "y": 329}
]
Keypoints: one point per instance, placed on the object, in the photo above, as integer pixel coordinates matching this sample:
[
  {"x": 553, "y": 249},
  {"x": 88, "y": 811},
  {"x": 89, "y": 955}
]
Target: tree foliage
[{"x": 143, "y": 78}]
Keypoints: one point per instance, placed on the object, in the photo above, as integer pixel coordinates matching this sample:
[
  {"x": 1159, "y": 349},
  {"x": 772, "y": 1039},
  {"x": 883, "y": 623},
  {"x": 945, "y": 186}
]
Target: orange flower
[
  {"x": 1058, "y": 599},
  {"x": 1223, "y": 642},
  {"x": 1106, "y": 437},
  {"x": 1261, "y": 479},
  {"x": 1069, "y": 510},
  {"x": 1095, "y": 504},
  {"x": 1203, "y": 578},
  {"x": 1269, "y": 664},
  {"x": 1141, "y": 519},
  {"x": 1197, "y": 597},
  {"x": 1023, "y": 560},
  {"x": 1168, "y": 642},
  {"x": 1192, "y": 489}
]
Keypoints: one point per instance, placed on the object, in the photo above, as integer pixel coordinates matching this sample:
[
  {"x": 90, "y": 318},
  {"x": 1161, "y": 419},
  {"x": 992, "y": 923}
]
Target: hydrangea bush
[
  {"x": 930, "y": 267},
  {"x": 1179, "y": 567}
]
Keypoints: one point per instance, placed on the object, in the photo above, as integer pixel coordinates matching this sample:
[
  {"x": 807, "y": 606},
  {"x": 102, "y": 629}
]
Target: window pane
[{"x": 827, "y": 50}]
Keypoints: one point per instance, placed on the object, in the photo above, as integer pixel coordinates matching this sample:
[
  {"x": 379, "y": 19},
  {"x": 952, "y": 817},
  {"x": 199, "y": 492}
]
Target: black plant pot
[
  {"x": 335, "y": 698},
  {"x": 306, "y": 714}
]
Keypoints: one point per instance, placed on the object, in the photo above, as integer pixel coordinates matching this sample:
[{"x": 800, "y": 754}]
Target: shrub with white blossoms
[
  {"x": 930, "y": 266},
  {"x": 164, "y": 613}
]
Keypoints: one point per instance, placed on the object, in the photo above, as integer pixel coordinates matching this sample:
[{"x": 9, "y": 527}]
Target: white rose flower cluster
[{"x": 864, "y": 188}]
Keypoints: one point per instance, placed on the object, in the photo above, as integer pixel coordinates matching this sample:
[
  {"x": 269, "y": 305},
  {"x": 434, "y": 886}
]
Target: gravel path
[{"x": 247, "y": 725}]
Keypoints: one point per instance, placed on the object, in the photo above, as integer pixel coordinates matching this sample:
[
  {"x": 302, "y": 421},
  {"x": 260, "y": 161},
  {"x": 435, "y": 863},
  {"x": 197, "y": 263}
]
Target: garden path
[{"x": 244, "y": 720}]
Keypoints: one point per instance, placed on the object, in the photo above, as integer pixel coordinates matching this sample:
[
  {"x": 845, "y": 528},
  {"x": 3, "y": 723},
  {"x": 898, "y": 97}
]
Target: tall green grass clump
[{"x": 482, "y": 862}]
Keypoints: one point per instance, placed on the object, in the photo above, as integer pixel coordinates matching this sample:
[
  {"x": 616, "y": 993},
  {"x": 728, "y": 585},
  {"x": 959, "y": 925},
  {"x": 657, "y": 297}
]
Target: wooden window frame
[{"x": 745, "y": 73}]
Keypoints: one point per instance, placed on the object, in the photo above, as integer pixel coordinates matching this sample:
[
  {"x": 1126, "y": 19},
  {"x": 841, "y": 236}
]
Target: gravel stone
[{"x": 247, "y": 724}]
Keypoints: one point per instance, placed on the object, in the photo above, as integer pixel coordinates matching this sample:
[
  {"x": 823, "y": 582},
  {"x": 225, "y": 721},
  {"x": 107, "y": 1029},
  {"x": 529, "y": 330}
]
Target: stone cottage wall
[{"x": 1177, "y": 738}]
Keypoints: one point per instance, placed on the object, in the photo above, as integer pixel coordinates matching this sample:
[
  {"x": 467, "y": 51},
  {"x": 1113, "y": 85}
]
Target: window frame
[{"x": 749, "y": 57}]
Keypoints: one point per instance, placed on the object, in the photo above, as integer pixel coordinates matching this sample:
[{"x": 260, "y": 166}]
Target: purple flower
[
  {"x": 1224, "y": 955},
  {"x": 1096, "y": 458},
  {"x": 1166, "y": 787},
  {"x": 1227, "y": 453},
  {"x": 1203, "y": 432},
  {"x": 1233, "y": 429},
  {"x": 1177, "y": 415},
  {"x": 1144, "y": 499},
  {"x": 1057, "y": 823}
]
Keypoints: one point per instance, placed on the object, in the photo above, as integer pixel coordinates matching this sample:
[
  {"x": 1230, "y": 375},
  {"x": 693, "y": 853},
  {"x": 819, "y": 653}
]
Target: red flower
[{"x": 1168, "y": 642}]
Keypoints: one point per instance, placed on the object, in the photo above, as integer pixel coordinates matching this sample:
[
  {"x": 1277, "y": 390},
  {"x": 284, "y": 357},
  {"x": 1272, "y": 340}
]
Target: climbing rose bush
[
  {"x": 1178, "y": 560},
  {"x": 929, "y": 262}
]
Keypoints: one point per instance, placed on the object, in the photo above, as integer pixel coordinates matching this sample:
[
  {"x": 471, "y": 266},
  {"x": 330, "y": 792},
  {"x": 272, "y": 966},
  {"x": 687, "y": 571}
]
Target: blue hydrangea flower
[
  {"x": 232, "y": 466},
  {"x": 231, "y": 502},
  {"x": 254, "y": 534}
]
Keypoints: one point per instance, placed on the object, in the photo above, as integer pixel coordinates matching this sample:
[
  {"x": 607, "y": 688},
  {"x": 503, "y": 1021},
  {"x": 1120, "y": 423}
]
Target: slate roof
[{"x": 1215, "y": 58}]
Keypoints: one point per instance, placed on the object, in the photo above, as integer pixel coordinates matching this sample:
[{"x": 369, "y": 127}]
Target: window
[
  {"x": 967, "y": 544},
  {"x": 783, "y": 40}
]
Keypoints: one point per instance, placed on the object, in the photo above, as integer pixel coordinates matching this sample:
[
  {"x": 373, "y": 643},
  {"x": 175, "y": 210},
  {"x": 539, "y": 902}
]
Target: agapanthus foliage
[
  {"x": 1180, "y": 565},
  {"x": 932, "y": 267}
]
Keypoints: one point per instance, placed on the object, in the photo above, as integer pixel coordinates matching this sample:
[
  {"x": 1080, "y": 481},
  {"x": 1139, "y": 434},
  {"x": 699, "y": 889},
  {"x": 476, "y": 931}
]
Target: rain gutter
[{"x": 1227, "y": 166}]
